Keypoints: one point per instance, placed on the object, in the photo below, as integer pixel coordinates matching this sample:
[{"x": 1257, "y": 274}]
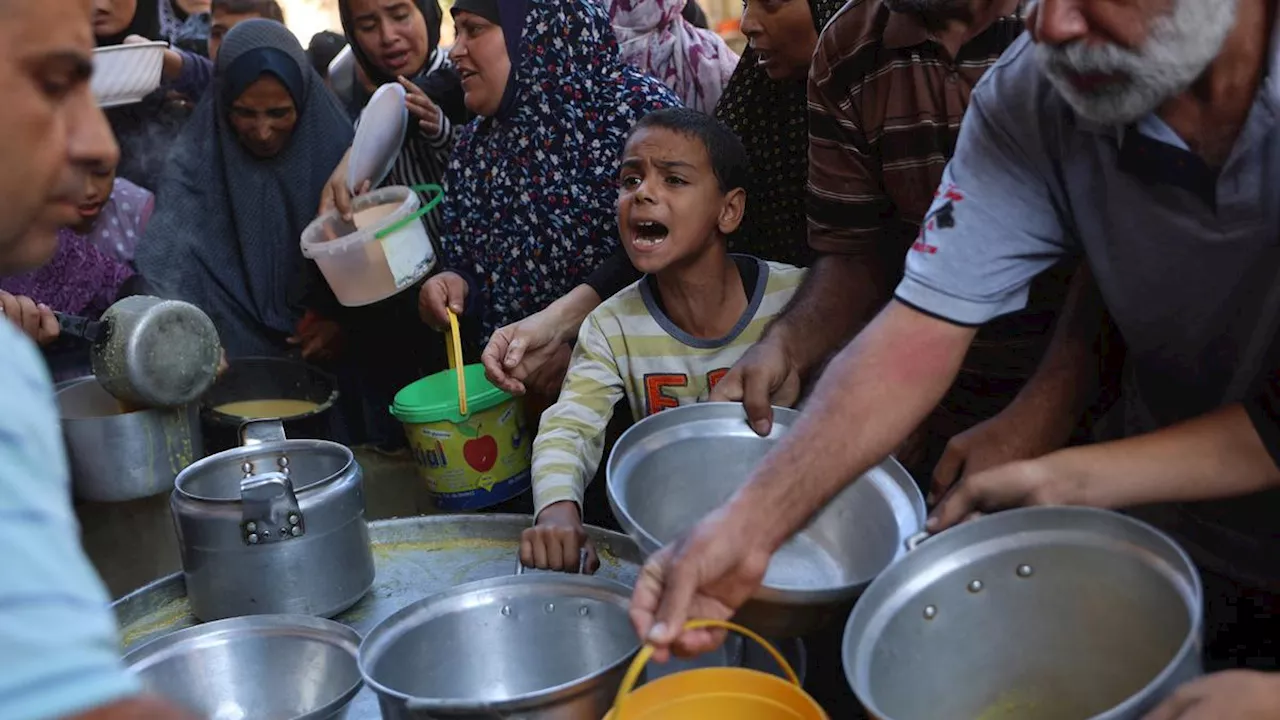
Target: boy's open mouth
[{"x": 649, "y": 234}]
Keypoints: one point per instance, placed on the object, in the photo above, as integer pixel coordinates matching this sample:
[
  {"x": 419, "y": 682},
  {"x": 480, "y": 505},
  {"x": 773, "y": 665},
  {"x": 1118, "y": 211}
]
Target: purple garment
[
  {"x": 86, "y": 272},
  {"x": 655, "y": 37}
]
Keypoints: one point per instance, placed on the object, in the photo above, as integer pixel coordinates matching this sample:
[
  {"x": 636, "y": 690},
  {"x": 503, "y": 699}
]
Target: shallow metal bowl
[
  {"x": 264, "y": 667},
  {"x": 531, "y": 646},
  {"x": 671, "y": 469}
]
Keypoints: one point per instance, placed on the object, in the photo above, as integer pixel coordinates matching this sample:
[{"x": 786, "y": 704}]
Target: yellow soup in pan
[{"x": 259, "y": 409}]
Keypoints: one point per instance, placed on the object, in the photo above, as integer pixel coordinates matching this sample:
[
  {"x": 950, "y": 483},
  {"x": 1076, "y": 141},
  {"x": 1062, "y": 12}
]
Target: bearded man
[{"x": 1144, "y": 134}]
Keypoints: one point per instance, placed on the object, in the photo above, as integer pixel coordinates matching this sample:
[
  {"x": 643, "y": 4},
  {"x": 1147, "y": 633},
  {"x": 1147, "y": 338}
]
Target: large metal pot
[
  {"x": 671, "y": 469},
  {"x": 544, "y": 646},
  {"x": 117, "y": 456},
  {"x": 1040, "y": 613},
  {"x": 267, "y": 667},
  {"x": 276, "y": 526}
]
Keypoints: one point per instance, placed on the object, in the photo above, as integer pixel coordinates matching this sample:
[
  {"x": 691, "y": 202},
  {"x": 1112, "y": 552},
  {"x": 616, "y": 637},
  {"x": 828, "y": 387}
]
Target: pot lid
[{"x": 379, "y": 137}]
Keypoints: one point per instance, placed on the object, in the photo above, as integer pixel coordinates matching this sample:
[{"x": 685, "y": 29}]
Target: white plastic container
[
  {"x": 125, "y": 74},
  {"x": 383, "y": 251}
]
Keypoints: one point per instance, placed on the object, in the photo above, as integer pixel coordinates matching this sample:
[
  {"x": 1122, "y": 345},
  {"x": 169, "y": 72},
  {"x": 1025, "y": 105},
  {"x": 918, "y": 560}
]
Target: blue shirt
[
  {"x": 1186, "y": 257},
  {"x": 58, "y": 647}
]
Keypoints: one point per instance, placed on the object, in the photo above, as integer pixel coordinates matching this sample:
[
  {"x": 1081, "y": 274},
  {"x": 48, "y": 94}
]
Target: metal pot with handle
[
  {"x": 1040, "y": 613},
  {"x": 150, "y": 352},
  {"x": 275, "y": 526},
  {"x": 529, "y": 646}
]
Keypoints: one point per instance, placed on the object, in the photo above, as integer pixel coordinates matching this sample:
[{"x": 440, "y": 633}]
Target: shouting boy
[{"x": 665, "y": 340}]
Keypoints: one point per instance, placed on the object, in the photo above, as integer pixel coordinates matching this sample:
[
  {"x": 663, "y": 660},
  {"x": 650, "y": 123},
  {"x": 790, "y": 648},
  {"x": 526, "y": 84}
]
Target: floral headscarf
[
  {"x": 531, "y": 193},
  {"x": 654, "y": 36}
]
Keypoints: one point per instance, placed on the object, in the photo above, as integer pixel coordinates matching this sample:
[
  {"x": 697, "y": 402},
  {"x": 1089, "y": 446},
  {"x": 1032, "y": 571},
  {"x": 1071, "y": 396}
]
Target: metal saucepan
[
  {"x": 671, "y": 469},
  {"x": 1032, "y": 614},
  {"x": 117, "y": 456},
  {"x": 266, "y": 667},
  {"x": 538, "y": 646},
  {"x": 150, "y": 352}
]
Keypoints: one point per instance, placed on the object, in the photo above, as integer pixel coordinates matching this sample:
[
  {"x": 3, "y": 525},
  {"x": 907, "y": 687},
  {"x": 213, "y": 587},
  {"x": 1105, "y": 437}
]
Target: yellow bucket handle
[
  {"x": 453, "y": 343},
  {"x": 646, "y": 652}
]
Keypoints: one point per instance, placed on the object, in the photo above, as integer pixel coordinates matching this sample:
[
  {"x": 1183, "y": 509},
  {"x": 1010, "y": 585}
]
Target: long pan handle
[{"x": 81, "y": 327}]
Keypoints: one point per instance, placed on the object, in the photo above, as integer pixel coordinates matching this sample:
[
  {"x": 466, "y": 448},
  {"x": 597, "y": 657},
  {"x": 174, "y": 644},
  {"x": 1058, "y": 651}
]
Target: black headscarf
[
  {"x": 442, "y": 84},
  {"x": 146, "y": 22},
  {"x": 771, "y": 117}
]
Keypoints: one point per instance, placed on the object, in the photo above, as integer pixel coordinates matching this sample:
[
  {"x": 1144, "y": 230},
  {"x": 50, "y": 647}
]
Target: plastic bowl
[
  {"x": 361, "y": 267},
  {"x": 125, "y": 74}
]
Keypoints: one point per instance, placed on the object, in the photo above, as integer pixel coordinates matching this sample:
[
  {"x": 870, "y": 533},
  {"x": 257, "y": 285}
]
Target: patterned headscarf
[
  {"x": 530, "y": 206},
  {"x": 227, "y": 225},
  {"x": 772, "y": 118},
  {"x": 654, "y": 36}
]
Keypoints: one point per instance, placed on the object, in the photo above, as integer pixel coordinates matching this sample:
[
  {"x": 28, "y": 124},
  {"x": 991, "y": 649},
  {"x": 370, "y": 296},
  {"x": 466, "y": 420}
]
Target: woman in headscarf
[
  {"x": 241, "y": 187},
  {"x": 399, "y": 41},
  {"x": 654, "y": 36},
  {"x": 532, "y": 183},
  {"x": 765, "y": 104},
  {"x": 146, "y": 130}
]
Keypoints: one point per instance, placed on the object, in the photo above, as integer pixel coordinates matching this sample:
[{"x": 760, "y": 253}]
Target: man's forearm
[
  {"x": 573, "y": 308},
  {"x": 841, "y": 294},
  {"x": 1066, "y": 381},
  {"x": 1218, "y": 455},
  {"x": 874, "y": 393}
]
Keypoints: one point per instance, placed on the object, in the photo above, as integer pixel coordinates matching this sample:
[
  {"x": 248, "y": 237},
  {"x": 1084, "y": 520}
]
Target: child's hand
[
  {"x": 443, "y": 292},
  {"x": 557, "y": 540}
]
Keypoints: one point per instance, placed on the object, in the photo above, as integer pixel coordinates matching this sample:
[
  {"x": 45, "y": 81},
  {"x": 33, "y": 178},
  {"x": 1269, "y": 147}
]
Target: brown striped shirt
[{"x": 885, "y": 105}]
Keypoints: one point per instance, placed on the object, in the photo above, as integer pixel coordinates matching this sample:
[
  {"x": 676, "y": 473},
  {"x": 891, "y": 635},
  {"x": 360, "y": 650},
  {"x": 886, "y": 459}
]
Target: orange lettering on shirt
[
  {"x": 715, "y": 376},
  {"x": 655, "y": 398}
]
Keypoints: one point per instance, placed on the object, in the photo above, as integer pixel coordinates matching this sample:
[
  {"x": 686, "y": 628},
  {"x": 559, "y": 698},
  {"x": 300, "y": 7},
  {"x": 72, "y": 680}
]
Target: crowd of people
[{"x": 1026, "y": 248}]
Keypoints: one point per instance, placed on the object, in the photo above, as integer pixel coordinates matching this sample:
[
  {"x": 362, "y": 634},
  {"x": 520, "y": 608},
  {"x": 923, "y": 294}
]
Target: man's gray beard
[
  {"x": 1178, "y": 50},
  {"x": 930, "y": 8}
]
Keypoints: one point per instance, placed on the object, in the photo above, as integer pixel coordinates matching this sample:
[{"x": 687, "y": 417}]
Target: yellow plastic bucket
[
  {"x": 715, "y": 692},
  {"x": 469, "y": 439}
]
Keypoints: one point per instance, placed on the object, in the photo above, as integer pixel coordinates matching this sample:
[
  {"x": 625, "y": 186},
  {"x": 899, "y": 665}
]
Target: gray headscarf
[{"x": 226, "y": 229}]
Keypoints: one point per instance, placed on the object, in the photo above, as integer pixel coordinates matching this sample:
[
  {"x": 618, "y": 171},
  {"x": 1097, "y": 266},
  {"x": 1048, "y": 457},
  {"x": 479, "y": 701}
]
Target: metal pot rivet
[
  {"x": 266, "y": 533},
  {"x": 1024, "y": 571},
  {"x": 506, "y": 610},
  {"x": 296, "y": 531},
  {"x": 253, "y": 538},
  {"x": 293, "y": 518},
  {"x": 930, "y": 612},
  {"x": 247, "y": 468},
  {"x": 975, "y": 586},
  {"x": 583, "y": 611},
  {"x": 283, "y": 461},
  {"x": 251, "y": 526},
  {"x": 551, "y": 607}
]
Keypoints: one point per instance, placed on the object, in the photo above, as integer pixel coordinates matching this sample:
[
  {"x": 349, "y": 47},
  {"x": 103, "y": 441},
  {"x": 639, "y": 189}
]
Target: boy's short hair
[
  {"x": 728, "y": 155},
  {"x": 267, "y": 9}
]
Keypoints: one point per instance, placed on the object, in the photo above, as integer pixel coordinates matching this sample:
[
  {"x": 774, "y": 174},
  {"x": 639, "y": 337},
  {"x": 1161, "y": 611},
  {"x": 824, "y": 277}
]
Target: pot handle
[
  {"x": 582, "y": 563},
  {"x": 257, "y": 432},
  {"x": 914, "y": 541},
  {"x": 269, "y": 509},
  {"x": 642, "y": 658}
]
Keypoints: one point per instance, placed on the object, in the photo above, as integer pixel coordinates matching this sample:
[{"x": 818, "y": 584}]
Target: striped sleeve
[
  {"x": 571, "y": 436},
  {"x": 846, "y": 201}
]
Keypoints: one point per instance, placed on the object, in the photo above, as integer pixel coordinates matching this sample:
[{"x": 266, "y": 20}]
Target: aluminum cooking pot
[
  {"x": 671, "y": 469},
  {"x": 150, "y": 352},
  {"x": 538, "y": 646},
  {"x": 276, "y": 526},
  {"x": 266, "y": 667},
  {"x": 116, "y": 456},
  {"x": 1032, "y": 614}
]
